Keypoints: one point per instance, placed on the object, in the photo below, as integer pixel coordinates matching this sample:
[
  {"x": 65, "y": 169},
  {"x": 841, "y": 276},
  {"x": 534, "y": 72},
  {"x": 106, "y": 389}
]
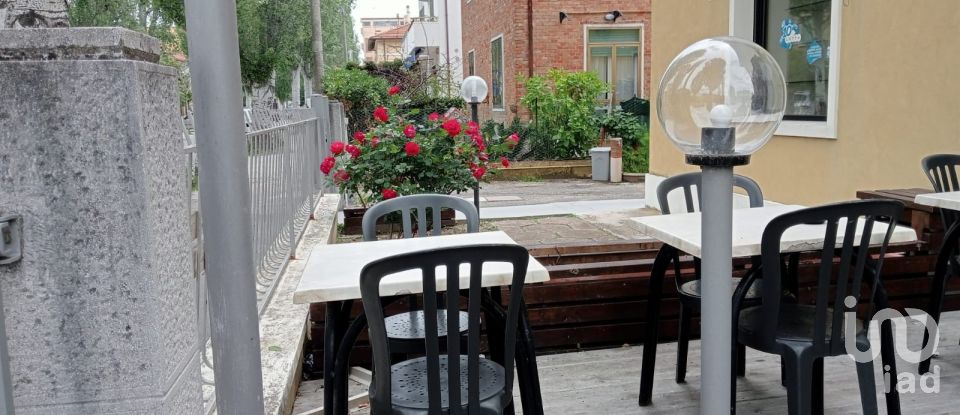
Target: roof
[{"x": 397, "y": 33}]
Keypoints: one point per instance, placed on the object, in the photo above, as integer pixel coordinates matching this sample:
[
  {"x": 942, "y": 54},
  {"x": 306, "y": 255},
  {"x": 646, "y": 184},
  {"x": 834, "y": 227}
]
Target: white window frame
[
  {"x": 471, "y": 53},
  {"x": 503, "y": 73},
  {"x": 643, "y": 56},
  {"x": 742, "y": 26}
]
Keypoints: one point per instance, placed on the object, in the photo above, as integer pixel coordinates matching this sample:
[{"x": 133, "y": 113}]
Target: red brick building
[{"x": 504, "y": 39}]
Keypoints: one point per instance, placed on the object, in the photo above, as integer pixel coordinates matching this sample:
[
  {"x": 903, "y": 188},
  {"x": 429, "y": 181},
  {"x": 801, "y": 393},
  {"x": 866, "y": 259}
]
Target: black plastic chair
[
  {"x": 802, "y": 335},
  {"x": 436, "y": 383},
  {"x": 941, "y": 170},
  {"x": 407, "y": 330},
  {"x": 689, "y": 292}
]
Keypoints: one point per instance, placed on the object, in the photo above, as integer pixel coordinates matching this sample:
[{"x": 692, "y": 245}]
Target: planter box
[{"x": 353, "y": 221}]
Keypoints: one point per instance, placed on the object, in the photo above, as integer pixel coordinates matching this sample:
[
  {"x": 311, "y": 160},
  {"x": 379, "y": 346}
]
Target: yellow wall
[{"x": 899, "y": 99}]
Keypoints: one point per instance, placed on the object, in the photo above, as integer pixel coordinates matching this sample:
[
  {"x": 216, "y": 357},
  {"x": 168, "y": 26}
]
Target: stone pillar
[
  {"x": 616, "y": 159},
  {"x": 101, "y": 313}
]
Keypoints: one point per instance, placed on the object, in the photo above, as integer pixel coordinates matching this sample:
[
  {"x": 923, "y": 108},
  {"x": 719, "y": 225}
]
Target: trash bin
[{"x": 600, "y": 160}]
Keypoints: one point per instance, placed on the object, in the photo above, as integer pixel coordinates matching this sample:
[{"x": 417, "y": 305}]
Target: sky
[{"x": 380, "y": 8}]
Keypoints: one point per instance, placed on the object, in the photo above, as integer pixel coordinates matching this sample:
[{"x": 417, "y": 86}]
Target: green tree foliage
[
  {"x": 275, "y": 35},
  {"x": 564, "y": 103}
]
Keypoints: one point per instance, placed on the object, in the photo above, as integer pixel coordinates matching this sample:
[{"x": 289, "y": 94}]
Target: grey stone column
[{"x": 101, "y": 314}]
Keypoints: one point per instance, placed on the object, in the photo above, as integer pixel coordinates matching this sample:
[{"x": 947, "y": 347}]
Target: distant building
[
  {"x": 506, "y": 39},
  {"x": 370, "y": 27},
  {"x": 435, "y": 36},
  {"x": 386, "y": 46}
]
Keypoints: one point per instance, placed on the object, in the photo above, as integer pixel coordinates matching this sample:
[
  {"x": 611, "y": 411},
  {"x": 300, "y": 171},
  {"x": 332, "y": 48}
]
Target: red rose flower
[
  {"x": 381, "y": 114},
  {"x": 479, "y": 172},
  {"x": 341, "y": 176},
  {"x": 360, "y": 137},
  {"x": 353, "y": 150},
  {"x": 452, "y": 127},
  {"x": 433, "y": 117},
  {"x": 472, "y": 128},
  {"x": 337, "y": 147},
  {"x": 327, "y": 165},
  {"x": 478, "y": 141},
  {"x": 394, "y": 90},
  {"x": 514, "y": 139},
  {"x": 410, "y": 131},
  {"x": 388, "y": 194},
  {"x": 374, "y": 141},
  {"x": 504, "y": 162},
  {"x": 483, "y": 156},
  {"x": 412, "y": 148}
]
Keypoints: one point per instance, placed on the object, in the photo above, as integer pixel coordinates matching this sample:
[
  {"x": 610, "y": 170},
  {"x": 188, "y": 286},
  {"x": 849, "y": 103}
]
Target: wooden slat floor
[{"x": 607, "y": 381}]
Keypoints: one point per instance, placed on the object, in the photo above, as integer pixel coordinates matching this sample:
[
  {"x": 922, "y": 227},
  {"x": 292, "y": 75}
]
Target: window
[
  {"x": 615, "y": 56},
  {"x": 797, "y": 34},
  {"x": 426, "y": 8},
  {"x": 471, "y": 64},
  {"x": 496, "y": 52}
]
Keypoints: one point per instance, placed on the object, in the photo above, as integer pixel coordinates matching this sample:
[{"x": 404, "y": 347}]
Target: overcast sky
[{"x": 380, "y": 8}]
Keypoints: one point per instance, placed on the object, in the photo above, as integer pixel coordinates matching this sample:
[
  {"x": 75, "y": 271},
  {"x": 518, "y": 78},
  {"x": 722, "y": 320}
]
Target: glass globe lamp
[
  {"x": 473, "y": 90},
  {"x": 720, "y": 100}
]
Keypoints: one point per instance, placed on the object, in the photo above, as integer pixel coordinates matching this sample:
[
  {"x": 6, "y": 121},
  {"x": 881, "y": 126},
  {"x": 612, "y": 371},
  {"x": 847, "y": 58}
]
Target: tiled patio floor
[{"x": 607, "y": 382}]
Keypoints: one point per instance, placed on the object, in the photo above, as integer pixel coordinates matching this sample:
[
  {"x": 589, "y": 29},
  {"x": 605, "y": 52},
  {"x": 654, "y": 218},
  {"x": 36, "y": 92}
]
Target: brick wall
[{"x": 555, "y": 44}]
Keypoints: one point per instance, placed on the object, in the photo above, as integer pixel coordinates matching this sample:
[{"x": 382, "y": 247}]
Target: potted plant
[{"x": 400, "y": 156}]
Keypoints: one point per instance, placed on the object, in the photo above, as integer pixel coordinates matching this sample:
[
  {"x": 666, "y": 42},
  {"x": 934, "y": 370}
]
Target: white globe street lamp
[
  {"x": 474, "y": 91},
  {"x": 720, "y": 100}
]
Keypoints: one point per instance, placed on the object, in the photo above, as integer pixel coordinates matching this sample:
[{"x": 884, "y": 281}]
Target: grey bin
[{"x": 600, "y": 158}]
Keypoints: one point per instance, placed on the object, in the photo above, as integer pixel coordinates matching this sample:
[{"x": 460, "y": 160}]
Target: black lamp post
[{"x": 474, "y": 91}]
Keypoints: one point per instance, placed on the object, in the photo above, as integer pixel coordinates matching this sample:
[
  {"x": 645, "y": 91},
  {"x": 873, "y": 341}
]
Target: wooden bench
[{"x": 925, "y": 220}]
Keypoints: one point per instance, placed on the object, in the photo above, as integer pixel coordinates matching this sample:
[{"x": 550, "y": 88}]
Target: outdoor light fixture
[
  {"x": 613, "y": 16},
  {"x": 720, "y": 100},
  {"x": 563, "y": 16},
  {"x": 474, "y": 91}
]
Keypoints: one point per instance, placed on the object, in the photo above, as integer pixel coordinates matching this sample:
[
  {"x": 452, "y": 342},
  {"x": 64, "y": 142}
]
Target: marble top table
[
  {"x": 945, "y": 200},
  {"x": 332, "y": 272},
  {"x": 682, "y": 231}
]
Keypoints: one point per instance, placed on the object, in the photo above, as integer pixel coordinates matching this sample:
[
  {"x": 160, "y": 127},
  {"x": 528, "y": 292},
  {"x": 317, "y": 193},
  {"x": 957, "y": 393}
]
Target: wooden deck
[{"x": 607, "y": 382}]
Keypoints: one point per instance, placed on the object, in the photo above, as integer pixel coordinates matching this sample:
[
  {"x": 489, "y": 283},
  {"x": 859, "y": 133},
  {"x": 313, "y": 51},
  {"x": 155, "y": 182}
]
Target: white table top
[
  {"x": 946, "y": 200},
  {"x": 682, "y": 231},
  {"x": 332, "y": 272}
]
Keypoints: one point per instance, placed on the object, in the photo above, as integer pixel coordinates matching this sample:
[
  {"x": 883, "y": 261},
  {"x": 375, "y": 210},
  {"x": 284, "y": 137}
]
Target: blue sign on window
[
  {"x": 789, "y": 33},
  {"x": 814, "y": 52}
]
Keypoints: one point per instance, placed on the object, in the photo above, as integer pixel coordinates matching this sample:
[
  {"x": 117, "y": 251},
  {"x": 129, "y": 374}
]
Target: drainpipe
[
  {"x": 446, "y": 24},
  {"x": 529, "y": 38}
]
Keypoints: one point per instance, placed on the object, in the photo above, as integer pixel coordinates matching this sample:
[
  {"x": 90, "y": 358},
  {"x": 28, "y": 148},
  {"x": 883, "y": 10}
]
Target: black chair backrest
[
  {"x": 941, "y": 170},
  {"x": 477, "y": 256},
  {"x": 687, "y": 181},
  {"x": 843, "y": 279},
  {"x": 419, "y": 203}
]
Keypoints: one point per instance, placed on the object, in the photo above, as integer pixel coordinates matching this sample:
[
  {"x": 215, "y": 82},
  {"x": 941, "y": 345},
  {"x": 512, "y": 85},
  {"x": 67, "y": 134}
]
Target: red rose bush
[{"x": 399, "y": 156}]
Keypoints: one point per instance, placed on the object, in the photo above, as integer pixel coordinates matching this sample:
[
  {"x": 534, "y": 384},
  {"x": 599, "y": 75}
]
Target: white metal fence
[{"x": 284, "y": 149}]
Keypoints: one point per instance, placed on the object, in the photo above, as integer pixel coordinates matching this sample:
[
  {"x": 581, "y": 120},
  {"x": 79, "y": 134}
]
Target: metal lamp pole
[
  {"x": 475, "y": 116},
  {"x": 225, "y": 191},
  {"x": 716, "y": 229}
]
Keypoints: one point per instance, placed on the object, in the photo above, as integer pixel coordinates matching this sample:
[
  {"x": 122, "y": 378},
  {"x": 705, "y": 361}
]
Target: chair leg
[
  {"x": 868, "y": 387},
  {"x": 799, "y": 379},
  {"x": 817, "y": 387},
  {"x": 783, "y": 372},
  {"x": 683, "y": 343},
  {"x": 741, "y": 360}
]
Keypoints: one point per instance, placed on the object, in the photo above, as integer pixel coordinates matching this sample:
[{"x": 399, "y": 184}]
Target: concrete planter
[{"x": 549, "y": 169}]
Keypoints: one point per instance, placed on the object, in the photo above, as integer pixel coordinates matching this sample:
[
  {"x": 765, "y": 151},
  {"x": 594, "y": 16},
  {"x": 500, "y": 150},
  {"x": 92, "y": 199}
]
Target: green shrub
[
  {"x": 419, "y": 108},
  {"x": 563, "y": 105},
  {"x": 359, "y": 92}
]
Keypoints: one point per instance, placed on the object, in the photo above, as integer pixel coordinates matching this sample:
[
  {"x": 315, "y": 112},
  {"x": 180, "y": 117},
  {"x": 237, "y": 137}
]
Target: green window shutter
[{"x": 614, "y": 35}]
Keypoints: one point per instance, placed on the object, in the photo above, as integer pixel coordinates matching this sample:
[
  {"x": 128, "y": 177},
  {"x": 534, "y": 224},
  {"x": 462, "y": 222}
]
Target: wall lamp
[
  {"x": 613, "y": 16},
  {"x": 563, "y": 16}
]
